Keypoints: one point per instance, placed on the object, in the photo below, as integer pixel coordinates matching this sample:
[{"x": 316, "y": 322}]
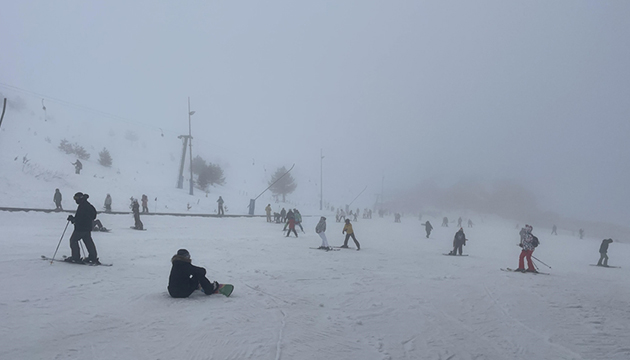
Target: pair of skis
[{"x": 68, "y": 262}]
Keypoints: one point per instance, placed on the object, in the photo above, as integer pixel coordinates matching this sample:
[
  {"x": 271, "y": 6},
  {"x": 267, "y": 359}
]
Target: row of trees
[
  {"x": 104, "y": 157},
  {"x": 207, "y": 172},
  {"x": 212, "y": 174}
]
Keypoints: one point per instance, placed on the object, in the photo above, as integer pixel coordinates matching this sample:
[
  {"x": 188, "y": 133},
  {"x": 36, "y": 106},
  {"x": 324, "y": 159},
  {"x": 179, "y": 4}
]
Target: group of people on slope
[
  {"x": 320, "y": 229},
  {"x": 57, "y": 198}
]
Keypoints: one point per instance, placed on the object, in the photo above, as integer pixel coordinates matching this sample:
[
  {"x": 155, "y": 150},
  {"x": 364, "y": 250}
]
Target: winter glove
[{"x": 71, "y": 218}]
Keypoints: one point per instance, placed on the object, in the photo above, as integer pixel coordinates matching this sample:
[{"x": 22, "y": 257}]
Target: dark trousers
[
  {"x": 193, "y": 284},
  {"x": 220, "y": 211},
  {"x": 348, "y": 236},
  {"x": 289, "y": 232},
  {"x": 58, "y": 205},
  {"x": 428, "y": 233},
  {"x": 86, "y": 236},
  {"x": 457, "y": 248},
  {"x": 138, "y": 224},
  {"x": 603, "y": 257},
  {"x": 145, "y": 208}
]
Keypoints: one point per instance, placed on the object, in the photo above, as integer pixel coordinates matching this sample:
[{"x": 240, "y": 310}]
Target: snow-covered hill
[{"x": 146, "y": 160}]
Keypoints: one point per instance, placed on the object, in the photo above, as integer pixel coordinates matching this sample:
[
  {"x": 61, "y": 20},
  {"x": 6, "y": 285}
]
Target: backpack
[{"x": 535, "y": 241}]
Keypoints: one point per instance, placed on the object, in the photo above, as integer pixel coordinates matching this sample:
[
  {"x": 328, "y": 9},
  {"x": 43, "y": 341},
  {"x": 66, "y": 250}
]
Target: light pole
[
  {"x": 190, "y": 113},
  {"x": 321, "y": 180}
]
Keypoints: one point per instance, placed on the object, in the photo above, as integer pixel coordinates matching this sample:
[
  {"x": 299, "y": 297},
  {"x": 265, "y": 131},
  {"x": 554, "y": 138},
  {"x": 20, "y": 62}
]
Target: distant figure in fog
[
  {"x": 57, "y": 200},
  {"x": 428, "y": 228}
]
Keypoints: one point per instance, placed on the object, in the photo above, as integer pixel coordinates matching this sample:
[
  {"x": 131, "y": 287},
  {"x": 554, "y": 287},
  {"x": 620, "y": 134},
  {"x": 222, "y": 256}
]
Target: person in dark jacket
[
  {"x": 445, "y": 222},
  {"x": 57, "y": 200},
  {"x": 220, "y": 206},
  {"x": 458, "y": 242},
  {"x": 135, "y": 208},
  {"x": 82, "y": 220},
  {"x": 603, "y": 252},
  {"x": 428, "y": 227},
  {"x": 291, "y": 224},
  {"x": 77, "y": 166},
  {"x": 185, "y": 277}
]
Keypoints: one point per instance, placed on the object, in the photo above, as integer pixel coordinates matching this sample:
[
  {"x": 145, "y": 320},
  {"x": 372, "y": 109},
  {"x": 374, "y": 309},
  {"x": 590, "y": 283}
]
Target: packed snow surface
[{"x": 397, "y": 298}]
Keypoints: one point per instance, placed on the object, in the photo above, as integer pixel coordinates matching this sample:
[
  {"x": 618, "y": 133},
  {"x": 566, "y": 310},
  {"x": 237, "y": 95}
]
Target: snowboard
[
  {"x": 64, "y": 257},
  {"x": 536, "y": 273},
  {"x": 329, "y": 249},
  {"x": 348, "y": 248},
  {"x": 225, "y": 289},
  {"x": 607, "y": 266},
  {"x": 134, "y": 228},
  {"x": 455, "y": 255}
]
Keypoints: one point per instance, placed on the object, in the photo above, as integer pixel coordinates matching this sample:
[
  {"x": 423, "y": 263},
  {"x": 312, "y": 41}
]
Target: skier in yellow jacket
[{"x": 347, "y": 229}]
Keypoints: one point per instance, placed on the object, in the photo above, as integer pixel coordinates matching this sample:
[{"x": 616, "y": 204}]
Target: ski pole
[
  {"x": 64, "y": 232},
  {"x": 82, "y": 249},
  {"x": 540, "y": 261}
]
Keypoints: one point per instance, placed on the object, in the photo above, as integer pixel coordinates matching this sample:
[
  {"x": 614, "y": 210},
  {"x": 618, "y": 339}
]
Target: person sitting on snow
[{"x": 185, "y": 277}]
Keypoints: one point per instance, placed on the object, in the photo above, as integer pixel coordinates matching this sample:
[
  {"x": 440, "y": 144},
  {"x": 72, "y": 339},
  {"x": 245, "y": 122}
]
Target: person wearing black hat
[
  {"x": 185, "y": 277},
  {"x": 82, "y": 220}
]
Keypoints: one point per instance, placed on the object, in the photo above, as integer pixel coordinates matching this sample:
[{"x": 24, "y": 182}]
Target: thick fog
[{"x": 421, "y": 101}]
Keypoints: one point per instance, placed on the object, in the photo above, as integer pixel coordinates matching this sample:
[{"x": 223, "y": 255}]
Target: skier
[
  {"x": 581, "y": 233},
  {"x": 349, "y": 233},
  {"x": 289, "y": 216},
  {"x": 145, "y": 203},
  {"x": 57, "y": 200},
  {"x": 320, "y": 229},
  {"x": 459, "y": 240},
  {"x": 470, "y": 223},
  {"x": 397, "y": 217},
  {"x": 445, "y": 222},
  {"x": 291, "y": 223},
  {"x": 428, "y": 228},
  {"x": 77, "y": 167},
  {"x": 528, "y": 244},
  {"x": 283, "y": 215},
  {"x": 459, "y": 222},
  {"x": 135, "y": 208},
  {"x": 554, "y": 230},
  {"x": 268, "y": 212},
  {"x": 185, "y": 277},
  {"x": 82, "y": 221},
  {"x": 298, "y": 219},
  {"x": 220, "y": 210},
  {"x": 108, "y": 203},
  {"x": 603, "y": 252}
]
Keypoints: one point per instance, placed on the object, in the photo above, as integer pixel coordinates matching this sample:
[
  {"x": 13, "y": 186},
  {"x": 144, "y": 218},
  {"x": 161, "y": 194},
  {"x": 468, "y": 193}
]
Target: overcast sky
[{"x": 533, "y": 91}]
